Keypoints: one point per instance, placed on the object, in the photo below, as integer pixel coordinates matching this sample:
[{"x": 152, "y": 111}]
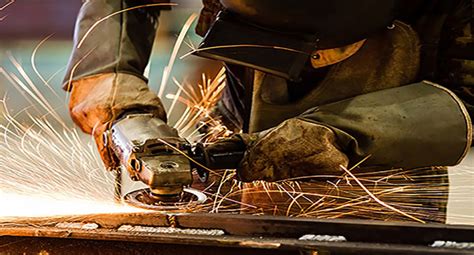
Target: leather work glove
[
  {"x": 295, "y": 148},
  {"x": 96, "y": 101}
]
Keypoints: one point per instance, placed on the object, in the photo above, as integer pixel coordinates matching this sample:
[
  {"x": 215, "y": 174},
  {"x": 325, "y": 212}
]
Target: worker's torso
[
  {"x": 386, "y": 60},
  {"x": 391, "y": 58}
]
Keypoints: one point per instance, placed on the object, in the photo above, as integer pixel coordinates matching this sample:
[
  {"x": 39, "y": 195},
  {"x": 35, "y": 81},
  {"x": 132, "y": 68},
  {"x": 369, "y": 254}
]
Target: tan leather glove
[
  {"x": 96, "y": 101},
  {"x": 295, "y": 148}
]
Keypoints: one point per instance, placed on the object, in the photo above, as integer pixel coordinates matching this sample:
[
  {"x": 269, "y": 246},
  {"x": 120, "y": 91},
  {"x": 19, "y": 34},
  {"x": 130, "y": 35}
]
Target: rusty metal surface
[
  {"x": 43, "y": 246},
  {"x": 252, "y": 234},
  {"x": 54, "y": 241},
  {"x": 274, "y": 226}
]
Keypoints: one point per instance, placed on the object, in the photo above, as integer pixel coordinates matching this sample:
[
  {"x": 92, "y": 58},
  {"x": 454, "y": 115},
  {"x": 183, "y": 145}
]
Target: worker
[{"x": 314, "y": 85}]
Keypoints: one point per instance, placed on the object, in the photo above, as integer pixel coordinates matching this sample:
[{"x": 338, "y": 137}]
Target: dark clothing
[
  {"x": 365, "y": 104},
  {"x": 208, "y": 15},
  {"x": 446, "y": 30},
  {"x": 444, "y": 27},
  {"x": 447, "y": 48},
  {"x": 115, "y": 45},
  {"x": 440, "y": 26}
]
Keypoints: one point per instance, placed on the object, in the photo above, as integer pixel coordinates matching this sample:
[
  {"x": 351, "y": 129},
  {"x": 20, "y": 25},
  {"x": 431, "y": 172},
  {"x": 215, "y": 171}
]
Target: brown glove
[
  {"x": 96, "y": 101},
  {"x": 295, "y": 148}
]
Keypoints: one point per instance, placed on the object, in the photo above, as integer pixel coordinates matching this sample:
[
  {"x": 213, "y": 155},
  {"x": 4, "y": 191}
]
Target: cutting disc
[{"x": 188, "y": 200}]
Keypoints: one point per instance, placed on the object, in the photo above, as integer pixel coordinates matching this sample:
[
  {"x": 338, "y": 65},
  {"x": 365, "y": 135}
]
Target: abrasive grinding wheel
[{"x": 145, "y": 199}]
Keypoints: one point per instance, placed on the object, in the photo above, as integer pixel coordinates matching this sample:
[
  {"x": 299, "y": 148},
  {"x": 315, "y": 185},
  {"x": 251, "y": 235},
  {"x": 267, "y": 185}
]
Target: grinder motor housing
[{"x": 148, "y": 148}]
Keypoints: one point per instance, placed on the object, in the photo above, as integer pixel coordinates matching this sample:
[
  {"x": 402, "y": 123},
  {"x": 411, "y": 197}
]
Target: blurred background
[{"x": 27, "y": 22}]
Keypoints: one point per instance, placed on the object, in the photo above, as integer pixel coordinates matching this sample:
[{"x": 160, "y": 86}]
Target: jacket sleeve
[
  {"x": 413, "y": 126},
  {"x": 113, "y": 40}
]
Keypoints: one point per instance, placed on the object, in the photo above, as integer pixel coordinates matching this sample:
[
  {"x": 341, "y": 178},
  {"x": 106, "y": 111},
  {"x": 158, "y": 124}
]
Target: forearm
[
  {"x": 414, "y": 126},
  {"x": 121, "y": 43},
  {"x": 112, "y": 47}
]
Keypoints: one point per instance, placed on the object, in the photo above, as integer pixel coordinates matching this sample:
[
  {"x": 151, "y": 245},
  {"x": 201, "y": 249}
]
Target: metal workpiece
[
  {"x": 178, "y": 233},
  {"x": 150, "y": 151}
]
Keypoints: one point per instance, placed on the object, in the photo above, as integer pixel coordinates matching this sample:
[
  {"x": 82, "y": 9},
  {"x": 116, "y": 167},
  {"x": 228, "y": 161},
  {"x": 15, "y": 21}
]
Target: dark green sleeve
[
  {"x": 121, "y": 43},
  {"x": 414, "y": 126}
]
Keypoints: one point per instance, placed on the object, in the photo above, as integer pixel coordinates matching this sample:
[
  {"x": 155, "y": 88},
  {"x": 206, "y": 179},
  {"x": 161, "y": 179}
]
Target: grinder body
[{"x": 148, "y": 148}]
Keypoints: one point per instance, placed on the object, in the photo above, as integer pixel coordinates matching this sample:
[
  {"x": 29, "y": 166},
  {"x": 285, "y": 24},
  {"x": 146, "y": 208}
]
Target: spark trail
[
  {"x": 4, "y": 6},
  {"x": 48, "y": 168}
]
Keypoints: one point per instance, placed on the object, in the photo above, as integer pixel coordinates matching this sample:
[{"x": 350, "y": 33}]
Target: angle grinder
[{"x": 152, "y": 152}]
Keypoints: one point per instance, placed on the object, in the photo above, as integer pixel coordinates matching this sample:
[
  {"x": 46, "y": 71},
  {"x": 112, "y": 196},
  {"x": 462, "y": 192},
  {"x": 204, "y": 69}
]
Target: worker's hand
[
  {"x": 97, "y": 101},
  {"x": 295, "y": 148}
]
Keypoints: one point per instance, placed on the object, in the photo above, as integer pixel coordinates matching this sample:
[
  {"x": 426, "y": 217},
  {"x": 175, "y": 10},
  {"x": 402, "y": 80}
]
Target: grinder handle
[{"x": 226, "y": 154}]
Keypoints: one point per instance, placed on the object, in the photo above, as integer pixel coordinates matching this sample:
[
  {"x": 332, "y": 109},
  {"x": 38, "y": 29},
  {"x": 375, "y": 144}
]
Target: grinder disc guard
[{"x": 143, "y": 198}]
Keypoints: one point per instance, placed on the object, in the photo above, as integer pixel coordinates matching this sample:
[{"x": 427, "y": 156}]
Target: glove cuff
[{"x": 100, "y": 99}]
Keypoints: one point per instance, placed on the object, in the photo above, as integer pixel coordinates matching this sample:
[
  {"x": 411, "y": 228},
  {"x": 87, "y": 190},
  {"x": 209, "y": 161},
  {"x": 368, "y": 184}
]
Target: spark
[
  {"x": 198, "y": 109},
  {"x": 35, "y": 69},
  {"x": 22, "y": 206},
  {"x": 49, "y": 169},
  {"x": 244, "y": 46},
  {"x": 2, "y": 8},
  {"x": 378, "y": 200},
  {"x": 168, "y": 69},
  {"x": 32, "y": 90},
  {"x": 9, "y": 2}
]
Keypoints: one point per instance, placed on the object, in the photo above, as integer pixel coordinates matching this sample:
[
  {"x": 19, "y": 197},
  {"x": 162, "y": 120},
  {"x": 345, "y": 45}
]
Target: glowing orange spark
[
  {"x": 39, "y": 206},
  {"x": 244, "y": 46},
  {"x": 179, "y": 42},
  {"x": 35, "y": 69},
  {"x": 51, "y": 170},
  {"x": 10, "y": 2},
  {"x": 377, "y": 199}
]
